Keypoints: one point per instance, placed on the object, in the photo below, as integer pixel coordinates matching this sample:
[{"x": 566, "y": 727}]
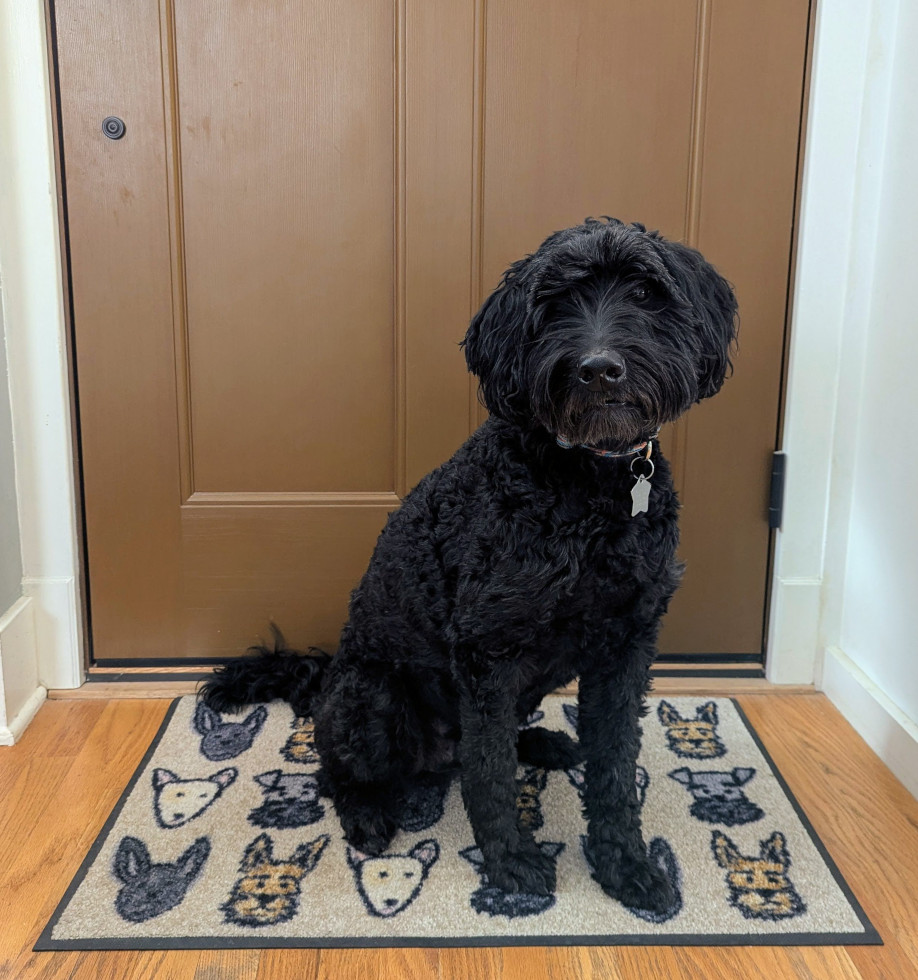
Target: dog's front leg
[
  {"x": 611, "y": 697},
  {"x": 513, "y": 861}
]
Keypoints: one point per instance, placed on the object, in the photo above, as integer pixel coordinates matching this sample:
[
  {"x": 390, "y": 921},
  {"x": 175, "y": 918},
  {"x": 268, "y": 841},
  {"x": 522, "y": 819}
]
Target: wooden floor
[{"x": 59, "y": 783}]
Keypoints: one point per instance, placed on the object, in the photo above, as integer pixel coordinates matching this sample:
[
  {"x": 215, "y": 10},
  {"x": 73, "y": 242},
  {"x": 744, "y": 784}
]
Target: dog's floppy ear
[
  {"x": 714, "y": 305},
  {"x": 494, "y": 344}
]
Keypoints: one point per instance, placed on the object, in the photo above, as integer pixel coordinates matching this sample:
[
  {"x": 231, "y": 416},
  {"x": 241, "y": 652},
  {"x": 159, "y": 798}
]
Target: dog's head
[{"x": 604, "y": 334}]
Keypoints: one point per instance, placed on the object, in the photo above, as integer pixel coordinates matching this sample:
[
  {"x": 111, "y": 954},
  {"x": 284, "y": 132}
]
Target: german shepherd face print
[
  {"x": 528, "y": 801},
  {"x": 692, "y": 738},
  {"x": 759, "y": 886},
  {"x": 301, "y": 746},
  {"x": 269, "y": 891}
]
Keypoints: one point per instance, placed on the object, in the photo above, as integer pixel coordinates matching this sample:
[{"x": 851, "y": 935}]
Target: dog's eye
[{"x": 640, "y": 292}]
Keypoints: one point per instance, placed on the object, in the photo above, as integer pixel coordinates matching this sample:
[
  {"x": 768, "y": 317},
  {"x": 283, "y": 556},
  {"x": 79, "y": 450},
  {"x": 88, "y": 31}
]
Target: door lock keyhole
[{"x": 113, "y": 127}]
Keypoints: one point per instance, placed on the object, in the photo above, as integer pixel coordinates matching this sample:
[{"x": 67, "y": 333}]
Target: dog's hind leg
[
  {"x": 548, "y": 749},
  {"x": 365, "y": 733}
]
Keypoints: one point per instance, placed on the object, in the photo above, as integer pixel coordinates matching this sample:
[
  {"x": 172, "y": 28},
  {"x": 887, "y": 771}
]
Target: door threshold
[{"x": 107, "y": 683}]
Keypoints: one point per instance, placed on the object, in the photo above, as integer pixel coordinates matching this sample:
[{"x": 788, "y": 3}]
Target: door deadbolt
[{"x": 113, "y": 127}]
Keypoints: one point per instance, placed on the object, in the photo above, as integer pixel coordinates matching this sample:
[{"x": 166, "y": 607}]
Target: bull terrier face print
[
  {"x": 177, "y": 800},
  {"x": 389, "y": 884}
]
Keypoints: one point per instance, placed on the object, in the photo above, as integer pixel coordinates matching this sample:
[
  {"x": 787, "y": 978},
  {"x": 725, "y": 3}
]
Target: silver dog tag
[{"x": 640, "y": 494}]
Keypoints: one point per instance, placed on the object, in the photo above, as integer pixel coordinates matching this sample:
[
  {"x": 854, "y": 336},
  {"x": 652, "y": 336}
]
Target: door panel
[
  {"x": 287, "y": 198},
  {"x": 272, "y": 269}
]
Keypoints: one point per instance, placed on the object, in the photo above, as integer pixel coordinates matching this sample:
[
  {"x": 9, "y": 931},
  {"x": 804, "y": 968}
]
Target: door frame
[{"x": 41, "y": 391}]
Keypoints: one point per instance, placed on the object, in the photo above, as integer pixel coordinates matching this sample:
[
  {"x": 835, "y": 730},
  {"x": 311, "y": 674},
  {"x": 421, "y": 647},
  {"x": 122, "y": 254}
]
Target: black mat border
[{"x": 45, "y": 943}]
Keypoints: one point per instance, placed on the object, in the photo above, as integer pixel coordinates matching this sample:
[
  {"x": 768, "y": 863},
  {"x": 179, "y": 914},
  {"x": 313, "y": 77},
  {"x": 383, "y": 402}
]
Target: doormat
[{"x": 222, "y": 840}]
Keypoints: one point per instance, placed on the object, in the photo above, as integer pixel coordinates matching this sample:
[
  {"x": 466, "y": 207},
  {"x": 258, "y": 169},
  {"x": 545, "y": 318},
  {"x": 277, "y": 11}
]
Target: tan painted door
[{"x": 272, "y": 267}]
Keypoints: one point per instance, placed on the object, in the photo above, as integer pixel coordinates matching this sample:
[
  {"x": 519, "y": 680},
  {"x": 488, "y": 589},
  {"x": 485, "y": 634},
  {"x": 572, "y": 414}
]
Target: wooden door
[{"x": 271, "y": 270}]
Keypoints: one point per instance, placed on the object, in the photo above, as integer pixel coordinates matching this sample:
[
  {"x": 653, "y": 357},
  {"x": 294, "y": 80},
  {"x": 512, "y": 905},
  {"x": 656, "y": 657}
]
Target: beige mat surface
[{"x": 222, "y": 840}]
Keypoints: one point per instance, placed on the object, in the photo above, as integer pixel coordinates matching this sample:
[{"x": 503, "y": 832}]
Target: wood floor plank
[
  {"x": 525, "y": 962},
  {"x": 823, "y": 961},
  {"x": 219, "y": 964},
  {"x": 472, "y": 964},
  {"x": 288, "y": 964},
  {"x": 378, "y": 964}
]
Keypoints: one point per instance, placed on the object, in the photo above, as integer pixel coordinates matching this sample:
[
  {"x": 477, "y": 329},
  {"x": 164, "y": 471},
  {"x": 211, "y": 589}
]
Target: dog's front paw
[
  {"x": 637, "y": 883},
  {"x": 370, "y": 833},
  {"x": 528, "y": 870}
]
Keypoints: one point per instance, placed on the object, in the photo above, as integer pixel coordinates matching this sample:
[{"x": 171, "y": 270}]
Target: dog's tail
[{"x": 265, "y": 674}]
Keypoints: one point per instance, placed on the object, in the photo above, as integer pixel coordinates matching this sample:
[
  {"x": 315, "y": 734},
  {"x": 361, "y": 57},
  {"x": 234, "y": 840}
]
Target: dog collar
[{"x": 607, "y": 453}]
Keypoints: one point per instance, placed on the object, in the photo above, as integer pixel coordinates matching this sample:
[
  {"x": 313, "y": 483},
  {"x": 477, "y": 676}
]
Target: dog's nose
[{"x": 598, "y": 371}]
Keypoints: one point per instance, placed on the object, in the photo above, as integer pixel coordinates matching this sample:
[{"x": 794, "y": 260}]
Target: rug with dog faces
[{"x": 222, "y": 839}]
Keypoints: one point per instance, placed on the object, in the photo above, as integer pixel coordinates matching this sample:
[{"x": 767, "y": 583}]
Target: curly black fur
[{"x": 517, "y": 565}]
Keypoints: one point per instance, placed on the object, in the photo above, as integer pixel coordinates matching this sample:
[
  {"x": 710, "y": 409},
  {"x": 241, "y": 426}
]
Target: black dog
[{"x": 517, "y": 565}]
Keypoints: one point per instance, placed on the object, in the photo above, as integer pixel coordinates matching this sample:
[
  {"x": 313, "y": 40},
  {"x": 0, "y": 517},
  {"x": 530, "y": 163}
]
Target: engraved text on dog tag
[{"x": 640, "y": 494}]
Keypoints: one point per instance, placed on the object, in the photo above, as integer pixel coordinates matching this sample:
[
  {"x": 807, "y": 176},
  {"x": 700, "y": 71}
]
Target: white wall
[
  {"x": 10, "y": 556},
  {"x": 40, "y": 635},
  {"x": 880, "y": 607},
  {"x": 868, "y": 626},
  {"x": 18, "y": 668}
]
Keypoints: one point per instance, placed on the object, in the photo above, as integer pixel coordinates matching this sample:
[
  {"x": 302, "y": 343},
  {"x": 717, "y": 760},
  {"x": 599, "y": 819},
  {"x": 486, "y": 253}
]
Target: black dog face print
[
  {"x": 421, "y": 806},
  {"x": 150, "y": 889},
  {"x": 660, "y": 853},
  {"x": 226, "y": 739}
]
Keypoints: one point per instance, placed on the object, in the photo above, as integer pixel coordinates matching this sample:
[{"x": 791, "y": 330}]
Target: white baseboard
[
  {"x": 58, "y": 631},
  {"x": 880, "y": 722},
  {"x": 21, "y": 695},
  {"x": 10, "y": 733},
  {"x": 793, "y": 630}
]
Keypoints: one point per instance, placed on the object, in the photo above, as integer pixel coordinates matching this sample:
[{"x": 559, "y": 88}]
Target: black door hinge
[{"x": 776, "y": 497}]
